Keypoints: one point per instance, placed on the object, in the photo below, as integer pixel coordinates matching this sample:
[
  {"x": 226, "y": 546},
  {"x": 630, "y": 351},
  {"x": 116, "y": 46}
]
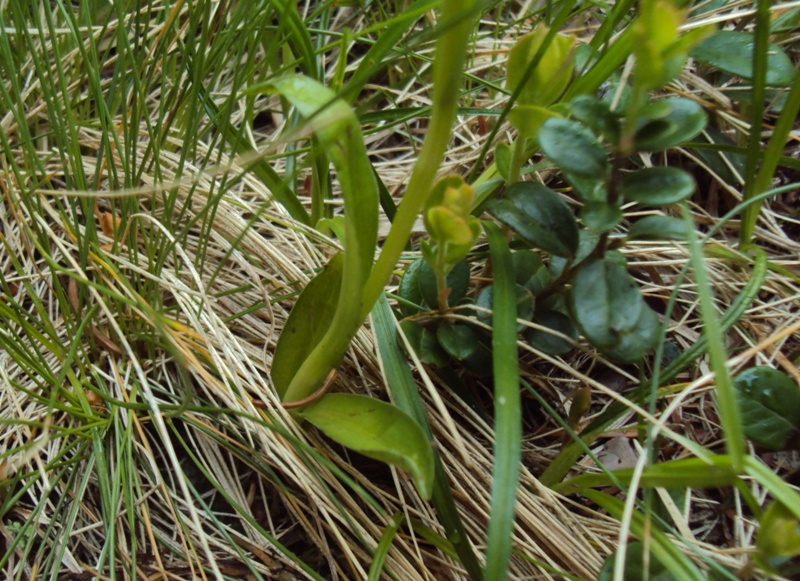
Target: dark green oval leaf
[
  {"x": 600, "y": 217},
  {"x": 608, "y": 308},
  {"x": 573, "y": 148},
  {"x": 409, "y": 290},
  {"x": 526, "y": 264},
  {"x": 684, "y": 120},
  {"x": 548, "y": 342},
  {"x": 658, "y": 228},
  {"x": 539, "y": 216},
  {"x": 307, "y": 323},
  {"x": 458, "y": 340},
  {"x": 770, "y": 406},
  {"x": 732, "y": 51},
  {"x": 378, "y": 430},
  {"x": 657, "y": 185}
]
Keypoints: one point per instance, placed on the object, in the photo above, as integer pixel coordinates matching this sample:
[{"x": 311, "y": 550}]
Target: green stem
[
  {"x": 517, "y": 159},
  {"x": 448, "y": 65}
]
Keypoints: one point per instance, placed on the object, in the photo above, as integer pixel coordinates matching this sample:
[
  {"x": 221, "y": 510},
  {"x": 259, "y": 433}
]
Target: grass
[{"x": 157, "y": 224}]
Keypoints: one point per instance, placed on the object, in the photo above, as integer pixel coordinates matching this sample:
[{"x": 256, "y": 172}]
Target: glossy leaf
[
  {"x": 668, "y": 123},
  {"x": 608, "y": 308},
  {"x": 459, "y": 340},
  {"x": 526, "y": 264},
  {"x": 601, "y": 217},
  {"x": 409, "y": 290},
  {"x": 547, "y": 342},
  {"x": 573, "y": 148},
  {"x": 779, "y": 536},
  {"x": 658, "y": 228},
  {"x": 307, "y": 323},
  {"x": 732, "y": 51},
  {"x": 770, "y": 406},
  {"x": 539, "y": 216},
  {"x": 378, "y": 430},
  {"x": 657, "y": 186}
]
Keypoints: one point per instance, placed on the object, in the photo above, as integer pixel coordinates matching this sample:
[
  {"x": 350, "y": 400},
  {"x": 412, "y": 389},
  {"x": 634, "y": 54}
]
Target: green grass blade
[
  {"x": 384, "y": 545},
  {"x": 727, "y": 403},
  {"x": 507, "y": 420},
  {"x": 405, "y": 395}
]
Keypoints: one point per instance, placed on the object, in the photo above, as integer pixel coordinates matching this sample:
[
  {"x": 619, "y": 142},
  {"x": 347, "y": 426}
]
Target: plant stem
[{"x": 448, "y": 65}]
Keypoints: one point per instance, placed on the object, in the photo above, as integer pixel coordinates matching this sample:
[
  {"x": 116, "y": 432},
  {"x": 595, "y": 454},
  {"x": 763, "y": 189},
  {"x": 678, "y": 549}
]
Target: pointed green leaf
[
  {"x": 573, "y": 148},
  {"x": 732, "y": 51},
  {"x": 307, "y": 323},
  {"x": 770, "y": 406},
  {"x": 378, "y": 430},
  {"x": 657, "y": 186},
  {"x": 658, "y": 228},
  {"x": 540, "y": 216}
]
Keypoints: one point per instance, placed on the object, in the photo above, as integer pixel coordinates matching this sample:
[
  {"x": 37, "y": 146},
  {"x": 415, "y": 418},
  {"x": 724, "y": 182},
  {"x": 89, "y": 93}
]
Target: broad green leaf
[
  {"x": 778, "y": 537},
  {"x": 548, "y": 342},
  {"x": 601, "y": 217},
  {"x": 550, "y": 76},
  {"x": 573, "y": 148},
  {"x": 459, "y": 340},
  {"x": 409, "y": 289},
  {"x": 636, "y": 342},
  {"x": 337, "y": 128},
  {"x": 732, "y": 51},
  {"x": 635, "y": 566},
  {"x": 378, "y": 430},
  {"x": 657, "y": 186},
  {"x": 540, "y": 216},
  {"x": 307, "y": 323},
  {"x": 608, "y": 308},
  {"x": 658, "y": 228},
  {"x": 596, "y": 114},
  {"x": 770, "y": 406},
  {"x": 668, "y": 123},
  {"x": 526, "y": 264},
  {"x": 502, "y": 159}
]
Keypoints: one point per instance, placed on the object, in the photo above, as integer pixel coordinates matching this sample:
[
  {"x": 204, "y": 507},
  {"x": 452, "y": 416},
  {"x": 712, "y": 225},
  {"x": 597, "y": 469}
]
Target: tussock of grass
[{"x": 140, "y": 434}]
